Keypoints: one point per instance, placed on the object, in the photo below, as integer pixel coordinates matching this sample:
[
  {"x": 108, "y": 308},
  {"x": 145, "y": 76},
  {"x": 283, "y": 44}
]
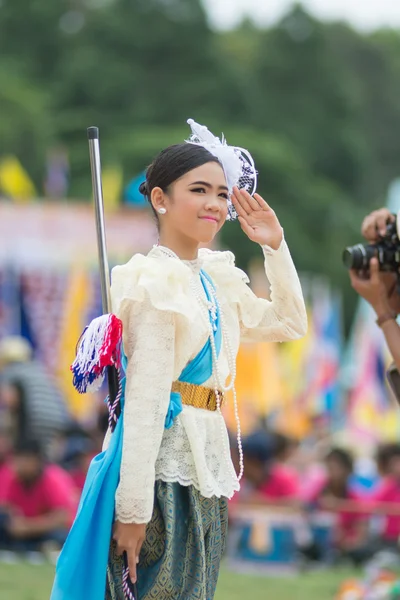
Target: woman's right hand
[{"x": 129, "y": 538}]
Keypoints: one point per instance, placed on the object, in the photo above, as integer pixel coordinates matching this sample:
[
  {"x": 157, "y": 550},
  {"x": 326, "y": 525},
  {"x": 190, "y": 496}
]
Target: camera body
[{"x": 386, "y": 250}]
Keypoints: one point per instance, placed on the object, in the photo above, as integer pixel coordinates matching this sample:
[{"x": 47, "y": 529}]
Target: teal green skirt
[{"x": 181, "y": 556}]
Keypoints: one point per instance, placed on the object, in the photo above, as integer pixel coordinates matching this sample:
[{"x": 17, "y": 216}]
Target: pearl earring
[{"x": 162, "y": 211}]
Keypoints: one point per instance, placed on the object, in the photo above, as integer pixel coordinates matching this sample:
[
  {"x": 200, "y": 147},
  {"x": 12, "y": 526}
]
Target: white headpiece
[{"x": 237, "y": 163}]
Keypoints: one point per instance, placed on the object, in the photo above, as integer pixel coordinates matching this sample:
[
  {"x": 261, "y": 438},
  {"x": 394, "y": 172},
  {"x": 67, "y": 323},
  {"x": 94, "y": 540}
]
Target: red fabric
[
  {"x": 53, "y": 490},
  {"x": 389, "y": 491},
  {"x": 282, "y": 482},
  {"x": 6, "y": 476},
  {"x": 347, "y": 521}
]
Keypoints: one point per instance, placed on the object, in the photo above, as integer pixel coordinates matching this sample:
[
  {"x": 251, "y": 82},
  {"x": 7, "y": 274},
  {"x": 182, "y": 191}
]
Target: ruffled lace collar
[{"x": 163, "y": 252}]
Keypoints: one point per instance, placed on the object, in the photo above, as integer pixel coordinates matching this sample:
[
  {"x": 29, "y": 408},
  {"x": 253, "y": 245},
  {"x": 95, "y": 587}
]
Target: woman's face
[{"x": 196, "y": 204}]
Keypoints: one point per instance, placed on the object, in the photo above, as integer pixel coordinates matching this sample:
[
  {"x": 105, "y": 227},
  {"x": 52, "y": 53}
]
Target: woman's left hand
[{"x": 257, "y": 219}]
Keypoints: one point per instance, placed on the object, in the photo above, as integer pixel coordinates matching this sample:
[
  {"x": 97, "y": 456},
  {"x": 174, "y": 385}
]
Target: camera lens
[{"x": 358, "y": 257}]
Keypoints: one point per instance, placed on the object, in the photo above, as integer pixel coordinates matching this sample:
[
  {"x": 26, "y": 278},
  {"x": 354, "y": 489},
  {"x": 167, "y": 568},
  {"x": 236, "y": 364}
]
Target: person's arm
[
  {"x": 149, "y": 336},
  {"x": 391, "y": 331},
  {"x": 379, "y": 290},
  {"x": 28, "y": 527},
  {"x": 284, "y": 316}
]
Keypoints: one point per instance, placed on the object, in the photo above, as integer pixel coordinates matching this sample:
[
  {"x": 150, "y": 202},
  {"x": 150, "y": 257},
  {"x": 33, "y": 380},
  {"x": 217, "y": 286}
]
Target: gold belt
[{"x": 196, "y": 395}]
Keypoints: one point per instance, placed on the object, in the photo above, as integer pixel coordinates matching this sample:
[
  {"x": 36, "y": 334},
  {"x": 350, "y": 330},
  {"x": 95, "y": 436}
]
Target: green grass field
[{"x": 27, "y": 582}]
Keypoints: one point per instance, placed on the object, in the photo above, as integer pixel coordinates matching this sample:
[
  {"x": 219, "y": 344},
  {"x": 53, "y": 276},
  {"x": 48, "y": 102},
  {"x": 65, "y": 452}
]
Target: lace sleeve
[
  {"x": 149, "y": 336},
  {"x": 284, "y": 316}
]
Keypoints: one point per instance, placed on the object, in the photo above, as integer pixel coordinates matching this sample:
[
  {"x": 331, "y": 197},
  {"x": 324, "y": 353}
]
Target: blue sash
[
  {"x": 198, "y": 370},
  {"x": 82, "y": 565}
]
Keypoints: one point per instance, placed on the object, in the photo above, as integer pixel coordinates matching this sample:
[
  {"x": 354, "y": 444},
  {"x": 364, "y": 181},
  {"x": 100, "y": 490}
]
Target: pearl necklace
[{"x": 209, "y": 309}]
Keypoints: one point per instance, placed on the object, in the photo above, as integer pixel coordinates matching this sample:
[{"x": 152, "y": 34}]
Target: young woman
[
  {"x": 184, "y": 312},
  {"x": 171, "y": 503}
]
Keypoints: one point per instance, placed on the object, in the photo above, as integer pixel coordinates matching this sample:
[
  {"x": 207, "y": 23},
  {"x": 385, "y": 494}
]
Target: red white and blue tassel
[{"x": 98, "y": 348}]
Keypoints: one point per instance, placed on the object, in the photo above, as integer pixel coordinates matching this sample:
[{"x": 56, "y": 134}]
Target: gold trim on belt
[{"x": 197, "y": 396}]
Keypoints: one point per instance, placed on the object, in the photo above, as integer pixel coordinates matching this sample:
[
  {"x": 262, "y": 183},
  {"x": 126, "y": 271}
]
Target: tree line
[{"x": 316, "y": 103}]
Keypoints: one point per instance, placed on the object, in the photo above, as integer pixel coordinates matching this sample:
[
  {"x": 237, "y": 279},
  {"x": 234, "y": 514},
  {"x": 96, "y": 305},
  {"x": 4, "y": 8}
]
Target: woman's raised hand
[{"x": 257, "y": 219}]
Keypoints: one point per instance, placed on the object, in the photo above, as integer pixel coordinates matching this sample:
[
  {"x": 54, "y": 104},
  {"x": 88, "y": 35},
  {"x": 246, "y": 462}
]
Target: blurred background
[{"x": 312, "y": 90}]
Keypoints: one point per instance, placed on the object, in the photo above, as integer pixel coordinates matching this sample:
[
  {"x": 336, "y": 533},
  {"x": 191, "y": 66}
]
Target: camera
[{"x": 386, "y": 250}]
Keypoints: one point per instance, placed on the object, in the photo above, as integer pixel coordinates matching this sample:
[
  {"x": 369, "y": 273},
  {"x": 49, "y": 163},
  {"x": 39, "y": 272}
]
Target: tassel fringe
[{"x": 98, "y": 348}]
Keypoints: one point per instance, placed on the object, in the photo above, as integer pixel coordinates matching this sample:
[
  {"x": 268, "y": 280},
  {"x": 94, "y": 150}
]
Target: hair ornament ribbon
[{"x": 237, "y": 163}]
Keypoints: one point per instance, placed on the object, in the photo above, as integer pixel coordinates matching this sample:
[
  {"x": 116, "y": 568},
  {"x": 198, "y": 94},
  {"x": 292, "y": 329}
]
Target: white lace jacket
[{"x": 163, "y": 330}]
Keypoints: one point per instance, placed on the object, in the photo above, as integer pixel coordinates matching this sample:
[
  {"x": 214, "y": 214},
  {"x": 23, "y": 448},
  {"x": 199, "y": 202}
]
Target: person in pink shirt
[
  {"x": 6, "y": 475},
  {"x": 6, "y": 472},
  {"x": 351, "y": 531},
  {"x": 267, "y": 480},
  {"x": 40, "y": 501},
  {"x": 388, "y": 493}
]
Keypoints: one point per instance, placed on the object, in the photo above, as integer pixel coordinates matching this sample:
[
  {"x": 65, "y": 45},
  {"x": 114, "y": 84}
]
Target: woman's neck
[{"x": 184, "y": 249}]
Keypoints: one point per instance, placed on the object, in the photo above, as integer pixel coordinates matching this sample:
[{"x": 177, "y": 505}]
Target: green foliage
[
  {"x": 25, "y": 123},
  {"x": 316, "y": 103}
]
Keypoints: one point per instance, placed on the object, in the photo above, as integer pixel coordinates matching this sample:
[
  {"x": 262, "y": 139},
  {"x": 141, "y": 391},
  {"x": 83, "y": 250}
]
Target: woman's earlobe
[{"x": 157, "y": 200}]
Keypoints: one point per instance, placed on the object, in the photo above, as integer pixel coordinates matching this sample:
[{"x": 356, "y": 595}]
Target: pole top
[{"x": 93, "y": 133}]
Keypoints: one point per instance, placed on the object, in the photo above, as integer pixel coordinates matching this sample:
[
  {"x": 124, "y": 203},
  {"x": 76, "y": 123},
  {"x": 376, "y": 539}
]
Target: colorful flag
[
  {"x": 258, "y": 385},
  {"x": 79, "y": 299},
  {"x": 363, "y": 373},
  {"x": 324, "y": 391},
  {"x": 15, "y": 181},
  {"x": 112, "y": 178}
]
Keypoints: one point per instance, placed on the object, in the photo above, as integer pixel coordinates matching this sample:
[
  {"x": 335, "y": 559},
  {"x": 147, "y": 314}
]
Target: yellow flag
[
  {"x": 14, "y": 180},
  {"x": 112, "y": 187},
  {"x": 258, "y": 385},
  {"x": 79, "y": 298}
]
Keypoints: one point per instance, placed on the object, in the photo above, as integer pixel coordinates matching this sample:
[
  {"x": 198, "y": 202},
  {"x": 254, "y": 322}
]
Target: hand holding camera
[
  {"x": 379, "y": 289},
  {"x": 375, "y": 267},
  {"x": 375, "y": 224},
  {"x": 375, "y": 275}
]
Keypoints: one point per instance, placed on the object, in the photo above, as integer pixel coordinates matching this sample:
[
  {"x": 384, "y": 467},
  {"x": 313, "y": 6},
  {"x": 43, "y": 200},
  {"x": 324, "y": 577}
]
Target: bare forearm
[
  {"x": 391, "y": 331},
  {"x": 47, "y": 523}
]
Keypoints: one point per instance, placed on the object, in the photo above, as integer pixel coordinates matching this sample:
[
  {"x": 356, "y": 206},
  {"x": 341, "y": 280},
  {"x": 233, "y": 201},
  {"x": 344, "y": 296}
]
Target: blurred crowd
[
  {"x": 45, "y": 454},
  {"x": 347, "y": 506}
]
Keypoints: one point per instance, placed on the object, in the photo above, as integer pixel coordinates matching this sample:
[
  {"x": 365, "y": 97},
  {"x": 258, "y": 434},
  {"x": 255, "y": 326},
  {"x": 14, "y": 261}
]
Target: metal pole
[
  {"x": 94, "y": 150},
  {"x": 95, "y": 165}
]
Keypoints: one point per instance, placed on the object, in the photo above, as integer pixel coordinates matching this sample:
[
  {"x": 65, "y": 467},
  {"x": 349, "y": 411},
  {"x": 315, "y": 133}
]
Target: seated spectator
[
  {"x": 267, "y": 480},
  {"x": 32, "y": 399},
  {"x": 286, "y": 449},
  {"x": 69, "y": 442},
  {"x": 6, "y": 472},
  {"x": 40, "y": 501},
  {"x": 388, "y": 494},
  {"x": 83, "y": 453},
  {"x": 351, "y": 531}
]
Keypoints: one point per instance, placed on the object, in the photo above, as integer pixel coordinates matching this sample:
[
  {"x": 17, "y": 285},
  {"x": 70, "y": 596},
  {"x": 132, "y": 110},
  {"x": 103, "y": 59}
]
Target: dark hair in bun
[
  {"x": 171, "y": 164},
  {"x": 143, "y": 188}
]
